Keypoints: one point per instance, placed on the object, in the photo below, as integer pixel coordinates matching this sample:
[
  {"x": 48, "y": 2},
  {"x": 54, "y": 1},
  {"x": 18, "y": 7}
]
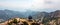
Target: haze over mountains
[{"x": 6, "y": 14}]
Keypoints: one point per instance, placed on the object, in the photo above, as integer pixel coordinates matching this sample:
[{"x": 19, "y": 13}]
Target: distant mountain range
[{"x": 6, "y": 14}]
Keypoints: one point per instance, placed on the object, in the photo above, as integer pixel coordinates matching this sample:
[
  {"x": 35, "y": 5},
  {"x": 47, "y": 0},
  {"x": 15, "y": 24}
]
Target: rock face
[
  {"x": 39, "y": 15},
  {"x": 55, "y": 14}
]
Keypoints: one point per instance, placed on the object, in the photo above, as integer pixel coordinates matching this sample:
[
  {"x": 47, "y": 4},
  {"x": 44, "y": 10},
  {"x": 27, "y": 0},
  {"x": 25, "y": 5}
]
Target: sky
[{"x": 35, "y": 5}]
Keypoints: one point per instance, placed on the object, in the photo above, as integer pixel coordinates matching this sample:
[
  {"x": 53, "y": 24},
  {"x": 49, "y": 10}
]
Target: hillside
[
  {"x": 22, "y": 21},
  {"x": 8, "y": 14}
]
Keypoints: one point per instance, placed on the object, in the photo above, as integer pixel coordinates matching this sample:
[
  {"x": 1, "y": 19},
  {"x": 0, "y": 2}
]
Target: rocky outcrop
[{"x": 55, "y": 14}]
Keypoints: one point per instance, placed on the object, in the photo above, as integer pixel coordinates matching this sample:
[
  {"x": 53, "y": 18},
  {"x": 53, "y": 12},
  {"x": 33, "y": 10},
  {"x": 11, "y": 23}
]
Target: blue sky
[{"x": 36, "y": 5}]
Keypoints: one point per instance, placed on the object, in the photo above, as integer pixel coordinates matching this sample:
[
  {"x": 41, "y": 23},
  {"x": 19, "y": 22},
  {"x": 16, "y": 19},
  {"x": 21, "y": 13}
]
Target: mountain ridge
[{"x": 6, "y": 14}]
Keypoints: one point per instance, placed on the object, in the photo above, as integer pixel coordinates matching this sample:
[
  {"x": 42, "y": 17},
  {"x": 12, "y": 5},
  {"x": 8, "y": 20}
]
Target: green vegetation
[
  {"x": 34, "y": 24},
  {"x": 15, "y": 21},
  {"x": 25, "y": 23},
  {"x": 46, "y": 21},
  {"x": 10, "y": 23}
]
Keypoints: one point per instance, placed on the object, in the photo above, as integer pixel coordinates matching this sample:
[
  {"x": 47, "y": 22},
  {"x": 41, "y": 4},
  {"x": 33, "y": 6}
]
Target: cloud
[
  {"x": 31, "y": 4},
  {"x": 52, "y": 4},
  {"x": 16, "y": 3},
  {"x": 37, "y": 3},
  {"x": 46, "y": 3}
]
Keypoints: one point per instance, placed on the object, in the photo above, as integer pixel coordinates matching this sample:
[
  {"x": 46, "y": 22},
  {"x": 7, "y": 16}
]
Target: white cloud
[
  {"x": 52, "y": 4},
  {"x": 37, "y": 3},
  {"x": 31, "y": 4},
  {"x": 46, "y": 3},
  {"x": 16, "y": 4}
]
